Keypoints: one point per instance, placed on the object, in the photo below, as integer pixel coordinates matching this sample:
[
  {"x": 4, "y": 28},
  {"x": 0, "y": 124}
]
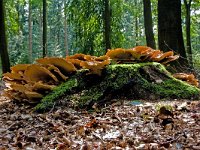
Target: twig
[
  {"x": 52, "y": 107},
  {"x": 171, "y": 141}
]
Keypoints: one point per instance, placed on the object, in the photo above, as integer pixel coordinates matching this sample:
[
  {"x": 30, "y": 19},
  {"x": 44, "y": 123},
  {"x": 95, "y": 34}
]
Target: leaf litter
[{"x": 134, "y": 125}]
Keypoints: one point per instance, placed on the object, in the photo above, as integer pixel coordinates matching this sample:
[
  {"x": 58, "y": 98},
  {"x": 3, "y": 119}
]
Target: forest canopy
[{"x": 92, "y": 27}]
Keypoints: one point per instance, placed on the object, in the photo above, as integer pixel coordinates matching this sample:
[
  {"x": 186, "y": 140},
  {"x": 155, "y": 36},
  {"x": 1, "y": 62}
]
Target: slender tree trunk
[
  {"x": 30, "y": 31},
  {"x": 188, "y": 37},
  {"x": 18, "y": 16},
  {"x": 41, "y": 28},
  {"x": 44, "y": 28},
  {"x": 65, "y": 29},
  {"x": 148, "y": 24},
  {"x": 3, "y": 41},
  {"x": 107, "y": 24},
  {"x": 170, "y": 35},
  {"x": 58, "y": 20},
  {"x": 136, "y": 32},
  {"x": 136, "y": 25}
]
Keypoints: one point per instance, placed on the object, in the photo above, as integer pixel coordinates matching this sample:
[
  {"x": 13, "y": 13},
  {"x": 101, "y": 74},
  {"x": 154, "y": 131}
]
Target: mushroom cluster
[
  {"x": 33, "y": 81},
  {"x": 189, "y": 78},
  {"x": 92, "y": 63},
  {"x": 141, "y": 54}
]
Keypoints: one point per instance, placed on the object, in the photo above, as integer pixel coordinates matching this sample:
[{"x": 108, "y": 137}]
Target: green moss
[
  {"x": 116, "y": 77},
  {"x": 171, "y": 87},
  {"x": 48, "y": 101},
  {"x": 133, "y": 80},
  {"x": 175, "y": 89}
]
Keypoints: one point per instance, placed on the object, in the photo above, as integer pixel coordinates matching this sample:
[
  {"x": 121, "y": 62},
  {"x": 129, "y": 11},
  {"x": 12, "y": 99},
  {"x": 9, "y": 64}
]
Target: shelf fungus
[
  {"x": 19, "y": 68},
  {"x": 55, "y": 70},
  {"x": 21, "y": 92},
  {"x": 33, "y": 81},
  {"x": 12, "y": 76},
  {"x": 36, "y": 72},
  {"x": 92, "y": 63},
  {"x": 95, "y": 67},
  {"x": 62, "y": 64},
  {"x": 189, "y": 78},
  {"x": 33, "y": 95},
  {"x": 120, "y": 55},
  {"x": 76, "y": 56},
  {"x": 141, "y": 54}
]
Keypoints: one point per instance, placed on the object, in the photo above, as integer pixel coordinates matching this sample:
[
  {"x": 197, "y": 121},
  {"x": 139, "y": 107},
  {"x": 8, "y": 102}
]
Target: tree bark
[
  {"x": 59, "y": 27},
  {"x": 170, "y": 35},
  {"x": 40, "y": 26},
  {"x": 44, "y": 28},
  {"x": 148, "y": 24},
  {"x": 30, "y": 31},
  {"x": 107, "y": 24},
  {"x": 65, "y": 29},
  {"x": 188, "y": 37},
  {"x": 3, "y": 41},
  {"x": 136, "y": 31},
  {"x": 136, "y": 25}
]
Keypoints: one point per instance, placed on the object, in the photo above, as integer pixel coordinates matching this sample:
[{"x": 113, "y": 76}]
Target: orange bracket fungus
[
  {"x": 189, "y": 78},
  {"x": 33, "y": 81}
]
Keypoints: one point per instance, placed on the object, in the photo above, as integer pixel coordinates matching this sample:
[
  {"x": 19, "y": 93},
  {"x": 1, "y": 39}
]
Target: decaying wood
[{"x": 33, "y": 81}]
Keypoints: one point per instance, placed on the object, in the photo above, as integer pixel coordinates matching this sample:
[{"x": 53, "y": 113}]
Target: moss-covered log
[{"x": 132, "y": 81}]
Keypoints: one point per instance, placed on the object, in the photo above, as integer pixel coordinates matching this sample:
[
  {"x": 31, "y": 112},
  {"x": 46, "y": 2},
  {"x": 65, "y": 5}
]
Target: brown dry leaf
[{"x": 118, "y": 126}]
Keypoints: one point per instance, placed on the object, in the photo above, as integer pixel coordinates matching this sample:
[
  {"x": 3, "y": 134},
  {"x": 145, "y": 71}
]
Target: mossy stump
[{"x": 149, "y": 81}]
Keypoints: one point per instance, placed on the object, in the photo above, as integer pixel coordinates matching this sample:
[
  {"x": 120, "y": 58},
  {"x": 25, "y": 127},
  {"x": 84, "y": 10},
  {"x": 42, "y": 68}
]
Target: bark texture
[
  {"x": 30, "y": 31},
  {"x": 148, "y": 24},
  {"x": 188, "y": 37},
  {"x": 3, "y": 41},
  {"x": 44, "y": 28},
  {"x": 169, "y": 28},
  {"x": 136, "y": 26},
  {"x": 107, "y": 24},
  {"x": 65, "y": 29}
]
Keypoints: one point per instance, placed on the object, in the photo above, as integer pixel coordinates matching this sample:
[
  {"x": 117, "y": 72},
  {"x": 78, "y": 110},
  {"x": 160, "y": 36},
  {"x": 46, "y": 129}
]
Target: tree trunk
[
  {"x": 170, "y": 35},
  {"x": 136, "y": 25},
  {"x": 65, "y": 30},
  {"x": 44, "y": 28},
  {"x": 188, "y": 37},
  {"x": 136, "y": 31},
  {"x": 66, "y": 35},
  {"x": 59, "y": 27},
  {"x": 18, "y": 16},
  {"x": 30, "y": 31},
  {"x": 148, "y": 24},
  {"x": 3, "y": 41},
  {"x": 107, "y": 24},
  {"x": 40, "y": 26}
]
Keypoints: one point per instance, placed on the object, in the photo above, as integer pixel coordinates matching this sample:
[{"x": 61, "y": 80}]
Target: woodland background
[
  {"x": 36, "y": 28},
  {"x": 31, "y": 29}
]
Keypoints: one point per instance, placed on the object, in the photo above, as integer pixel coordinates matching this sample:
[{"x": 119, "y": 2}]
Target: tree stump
[{"x": 149, "y": 81}]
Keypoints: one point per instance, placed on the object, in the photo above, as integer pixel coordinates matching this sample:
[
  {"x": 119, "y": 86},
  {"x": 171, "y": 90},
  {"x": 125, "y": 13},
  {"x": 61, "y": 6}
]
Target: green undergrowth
[{"x": 138, "y": 81}]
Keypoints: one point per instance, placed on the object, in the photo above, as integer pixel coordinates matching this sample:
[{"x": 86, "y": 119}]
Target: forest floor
[{"x": 133, "y": 124}]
